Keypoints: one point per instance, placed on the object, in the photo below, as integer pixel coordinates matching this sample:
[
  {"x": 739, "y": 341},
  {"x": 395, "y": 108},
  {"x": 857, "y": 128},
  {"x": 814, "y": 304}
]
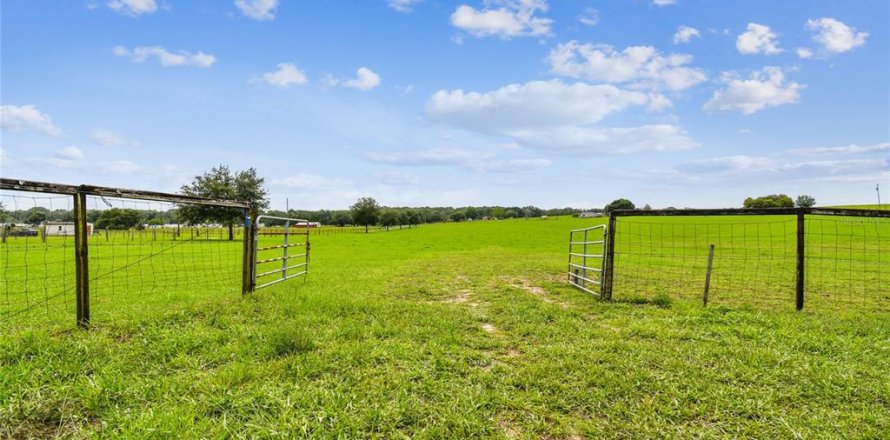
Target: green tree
[
  {"x": 119, "y": 218},
  {"x": 341, "y": 218},
  {"x": 458, "y": 216},
  {"x": 770, "y": 201},
  {"x": 389, "y": 218},
  {"x": 365, "y": 212},
  {"x": 36, "y": 215},
  {"x": 224, "y": 184},
  {"x": 619, "y": 204},
  {"x": 805, "y": 201}
]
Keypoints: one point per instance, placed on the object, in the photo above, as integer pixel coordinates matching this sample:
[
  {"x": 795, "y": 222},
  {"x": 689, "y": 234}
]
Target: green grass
[{"x": 445, "y": 331}]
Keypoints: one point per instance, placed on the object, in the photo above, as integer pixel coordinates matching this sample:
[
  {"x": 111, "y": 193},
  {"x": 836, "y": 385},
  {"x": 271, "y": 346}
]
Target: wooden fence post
[
  {"x": 610, "y": 258},
  {"x": 249, "y": 245},
  {"x": 801, "y": 258},
  {"x": 81, "y": 259}
]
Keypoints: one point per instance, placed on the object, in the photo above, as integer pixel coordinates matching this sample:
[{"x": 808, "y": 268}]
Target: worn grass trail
[{"x": 449, "y": 331}]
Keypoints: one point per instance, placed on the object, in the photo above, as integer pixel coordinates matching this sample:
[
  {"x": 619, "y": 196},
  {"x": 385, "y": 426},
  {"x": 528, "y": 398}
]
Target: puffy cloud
[
  {"x": 167, "y": 59},
  {"x": 133, "y": 7},
  {"x": 664, "y": 2},
  {"x": 514, "y": 18},
  {"x": 685, "y": 34},
  {"x": 834, "y": 36},
  {"x": 590, "y": 17},
  {"x": 533, "y": 104},
  {"x": 758, "y": 39},
  {"x": 553, "y": 115},
  {"x": 804, "y": 53},
  {"x": 403, "y": 6},
  {"x": 258, "y": 9},
  {"x": 643, "y": 65},
  {"x": 27, "y": 117},
  {"x": 285, "y": 76},
  {"x": 70, "y": 153},
  {"x": 109, "y": 138},
  {"x": 365, "y": 79},
  {"x": 763, "y": 88}
]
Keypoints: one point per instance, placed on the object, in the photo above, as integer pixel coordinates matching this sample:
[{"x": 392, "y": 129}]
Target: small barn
[{"x": 63, "y": 229}]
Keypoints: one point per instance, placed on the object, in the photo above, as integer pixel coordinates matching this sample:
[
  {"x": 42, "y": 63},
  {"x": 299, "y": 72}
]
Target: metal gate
[
  {"x": 585, "y": 245},
  {"x": 273, "y": 246}
]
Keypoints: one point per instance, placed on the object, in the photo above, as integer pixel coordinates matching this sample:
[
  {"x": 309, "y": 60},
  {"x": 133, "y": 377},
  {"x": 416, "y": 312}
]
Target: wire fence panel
[
  {"x": 754, "y": 259},
  {"x": 139, "y": 269},
  {"x": 37, "y": 278},
  {"x": 828, "y": 259},
  {"x": 75, "y": 251},
  {"x": 848, "y": 262}
]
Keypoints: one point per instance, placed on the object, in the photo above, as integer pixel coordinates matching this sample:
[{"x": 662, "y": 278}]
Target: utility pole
[{"x": 878, "y": 189}]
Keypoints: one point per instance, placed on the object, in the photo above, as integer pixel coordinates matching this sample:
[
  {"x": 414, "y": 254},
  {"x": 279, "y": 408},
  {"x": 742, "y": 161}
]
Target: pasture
[{"x": 443, "y": 331}]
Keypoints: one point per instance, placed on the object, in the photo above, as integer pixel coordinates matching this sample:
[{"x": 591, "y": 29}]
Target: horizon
[{"x": 423, "y": 103}]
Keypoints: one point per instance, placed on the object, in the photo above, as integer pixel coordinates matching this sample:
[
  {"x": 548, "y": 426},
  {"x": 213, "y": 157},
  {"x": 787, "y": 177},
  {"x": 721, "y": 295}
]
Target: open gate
[
  {"x": 586, "y": 258},
  {"x": 282, "y": 251}
]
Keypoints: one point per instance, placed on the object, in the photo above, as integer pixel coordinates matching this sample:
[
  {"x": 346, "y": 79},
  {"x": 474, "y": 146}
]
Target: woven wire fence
[
  {"x": 132, "y": 270},
  {"x": 847, "y": 260}
]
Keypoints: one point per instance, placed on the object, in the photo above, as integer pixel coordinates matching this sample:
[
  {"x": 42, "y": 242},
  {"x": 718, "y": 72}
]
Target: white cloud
[
  {"x": 610, "y": 140},
  {"x": 167, "y": 59},
  {"x": 365, "y": 79},
  {"x": 286, "y": 76},
  {"x": 430, "y": 157},
  {"x": 763, "y": 88},
  {"x": 258, "y": 9},
  {"x": 758, "y": 39},
  {"x": 27, "y": 117},
  {"x": 736, "y": 166},
  {"x": 512, "y": 18},
  {"x": 70, "y": 153},
  {"x": 310, "y": 181},
  {"x": 804, "y": 53},
  {"x": 533, "y": 104},
  {"x": 590, "y": 17},
  {"x": 685, "y": 34},
  {"x": 109, "y": 138},
  {"x": 133, "y": 7},
  {"x": 641, "y": 64},
  {"x": 397, "y": 178},
  {"x": 847, "y": 149},
  {"x": 471, "y": 159},
  {"x": 834, "y": 36},
  {"x": 553, "y": 115},
  {"x": 728, "y": 164},
  {"x": 664, "y": 2},
  {"x": 403, "y": 6}
]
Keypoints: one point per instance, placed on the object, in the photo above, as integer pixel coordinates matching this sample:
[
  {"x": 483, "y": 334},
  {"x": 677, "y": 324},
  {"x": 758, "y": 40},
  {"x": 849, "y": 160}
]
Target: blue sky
[{"x": 426, "y": 102}]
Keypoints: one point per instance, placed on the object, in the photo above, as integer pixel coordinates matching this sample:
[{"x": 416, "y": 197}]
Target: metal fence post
[
  {"x": 81, "y": 259},
  {"x": 610, "y": 258},
  {"x": 584, "y": 261},
  {"x": 801, "y": 258}
]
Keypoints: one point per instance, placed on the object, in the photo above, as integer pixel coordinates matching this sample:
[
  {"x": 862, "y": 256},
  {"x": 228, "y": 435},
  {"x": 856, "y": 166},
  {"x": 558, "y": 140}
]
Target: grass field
[{"x": 445, "y": 331}]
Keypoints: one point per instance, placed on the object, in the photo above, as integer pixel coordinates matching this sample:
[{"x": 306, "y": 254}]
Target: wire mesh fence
[
  {"x": 136, "y": 269},
  {"x": 831, "y": 259},
  {"x": 70, "y": 250}
]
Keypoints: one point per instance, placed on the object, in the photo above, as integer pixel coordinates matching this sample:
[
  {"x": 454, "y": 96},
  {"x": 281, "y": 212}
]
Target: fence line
[{"x": 819, "y": 257}]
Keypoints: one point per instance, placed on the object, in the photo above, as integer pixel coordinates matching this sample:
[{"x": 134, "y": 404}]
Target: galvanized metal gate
[
  {"x": 586, "y": 258},
  {"x": 294, "y": 234}
]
